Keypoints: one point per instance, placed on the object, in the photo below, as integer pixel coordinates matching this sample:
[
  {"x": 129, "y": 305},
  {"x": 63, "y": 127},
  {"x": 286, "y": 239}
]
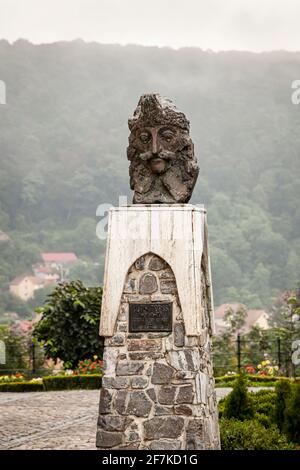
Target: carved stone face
[{"x": 163, "y": 168}]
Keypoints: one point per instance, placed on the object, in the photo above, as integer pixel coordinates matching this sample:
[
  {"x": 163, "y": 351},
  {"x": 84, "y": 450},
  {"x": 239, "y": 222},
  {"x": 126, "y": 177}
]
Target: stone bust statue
[{"x": 163, "y": 168}]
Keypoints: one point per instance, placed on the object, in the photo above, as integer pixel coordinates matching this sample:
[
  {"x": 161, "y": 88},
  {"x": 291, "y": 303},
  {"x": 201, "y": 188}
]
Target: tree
[
  {"x": 292, "y": 415},
  {"x": 283, "y": 391},
  {"x": 69, "y": 327},
  {"x": 285, "y": 316},
  {"x": 224, "y": 346},
  {"x": 16, "y": 350},
  {"x": 238, "y": 404}
]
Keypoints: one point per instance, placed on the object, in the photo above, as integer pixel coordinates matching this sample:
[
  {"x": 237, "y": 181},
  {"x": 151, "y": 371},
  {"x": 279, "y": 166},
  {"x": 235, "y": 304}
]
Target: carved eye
[
  {"x": 145, "y": 137},
  {"x": 167, "y": 135}
]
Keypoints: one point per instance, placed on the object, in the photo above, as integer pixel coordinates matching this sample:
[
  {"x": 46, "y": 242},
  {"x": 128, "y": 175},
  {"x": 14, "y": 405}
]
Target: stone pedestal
[{"x": 158, "y": 387}]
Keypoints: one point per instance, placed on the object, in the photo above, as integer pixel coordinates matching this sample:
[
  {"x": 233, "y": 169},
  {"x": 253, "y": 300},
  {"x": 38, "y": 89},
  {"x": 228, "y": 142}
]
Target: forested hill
[{"x": 63, "y": 138}]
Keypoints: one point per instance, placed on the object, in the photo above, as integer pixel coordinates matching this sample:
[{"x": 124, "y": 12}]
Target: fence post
[
  {"x": 33, "y": 358},
  {"x": 239, "y": 352},
  {"x": 279, "y": 352}
]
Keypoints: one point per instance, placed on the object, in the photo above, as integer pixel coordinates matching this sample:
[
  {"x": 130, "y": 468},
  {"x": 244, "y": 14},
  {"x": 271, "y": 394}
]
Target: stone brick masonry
[{"x": 158, "y": 388}]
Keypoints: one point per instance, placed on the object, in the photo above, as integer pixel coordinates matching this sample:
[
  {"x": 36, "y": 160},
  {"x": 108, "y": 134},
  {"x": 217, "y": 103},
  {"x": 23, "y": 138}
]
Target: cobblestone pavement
[{"x": 53, "y": 420}]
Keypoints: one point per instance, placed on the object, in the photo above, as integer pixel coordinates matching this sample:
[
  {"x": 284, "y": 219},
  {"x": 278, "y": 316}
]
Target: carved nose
[{"x": 154, "y": 146}]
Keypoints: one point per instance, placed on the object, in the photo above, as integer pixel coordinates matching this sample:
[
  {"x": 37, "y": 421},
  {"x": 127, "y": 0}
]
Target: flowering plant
[
  {"x": 266, "y": 368},
  {"x": 90, "y": 366},
  {"x": 17, "y": 377},
  {"x": 250, "y": 369}
]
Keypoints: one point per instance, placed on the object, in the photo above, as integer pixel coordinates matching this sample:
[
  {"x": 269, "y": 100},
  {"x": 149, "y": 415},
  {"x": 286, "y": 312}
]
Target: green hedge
[
  {"x": 252, "y": 378},
  {"x": 21, "y": 387},
  {"x": 56, "y": 382},
  {"x": 72, "y": 382}
]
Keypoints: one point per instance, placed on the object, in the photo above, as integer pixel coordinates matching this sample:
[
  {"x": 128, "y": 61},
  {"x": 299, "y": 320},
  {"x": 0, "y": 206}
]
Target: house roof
[
  {"x": 58, "y": 257},
  {"x": 251, "y": 318},
  {"x": 17, "y": 280},
  {"x": 40, "y": 268},
  {"x": 3, "y": 236}
]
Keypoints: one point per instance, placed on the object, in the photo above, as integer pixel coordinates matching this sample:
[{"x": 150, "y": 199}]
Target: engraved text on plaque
[{"x": 154, "y": 316}]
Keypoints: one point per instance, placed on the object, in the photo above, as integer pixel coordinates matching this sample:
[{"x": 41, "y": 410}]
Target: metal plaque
[{"x": 154, "y": 316}]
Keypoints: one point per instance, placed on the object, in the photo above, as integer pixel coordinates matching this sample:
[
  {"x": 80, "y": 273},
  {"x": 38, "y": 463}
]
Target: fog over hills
[{"x": 63, "y": 138}]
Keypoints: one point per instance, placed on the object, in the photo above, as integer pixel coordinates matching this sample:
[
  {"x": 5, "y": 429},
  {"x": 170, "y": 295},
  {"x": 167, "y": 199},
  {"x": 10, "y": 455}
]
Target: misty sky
[{"x": 255, "y": 25}]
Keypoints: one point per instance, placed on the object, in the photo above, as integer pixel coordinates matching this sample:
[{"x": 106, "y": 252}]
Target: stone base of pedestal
[{"x": 158, "y": 387}]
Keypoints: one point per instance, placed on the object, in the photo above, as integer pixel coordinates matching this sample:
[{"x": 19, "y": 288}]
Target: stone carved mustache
[{"x": 163, "y": 154}]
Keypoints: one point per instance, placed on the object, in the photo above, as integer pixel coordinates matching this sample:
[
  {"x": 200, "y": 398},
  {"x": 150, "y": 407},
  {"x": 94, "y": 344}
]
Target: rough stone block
[
  {"x": 115, "y": 382},
  {"x": 105, "y": 401},
  {"x": 139, "y": 382},
  {"x": 130, "y": 368},
  {"x": 120, "y": 402},
  {"x": 169, "y": 427},
  {"x": 144, "y": 345},
  {"x": 116, "y": 340},
  {"x": 157, "y": 264},
  {"x": 162, "y": 374},
  {"x": 113, "y": 423},
  {"x": 179, "y": 335},
  {"x": 165, "y": 445},
  {"x": 130, "y": 287},
  {"x": 183, "y": 410},
  {"x": 195, "y": 435},
  {"x": 139, "y": 404},
  {"x": 145, "y": 356},
  {"x": 185, "y": 394},
  {"x": 163, "y": 411},
  {"x": 108, "y": 439},
  {"x": 148, "y": 284},
  {"x": 187, "y": 359},
  {"x": 168, "y": 286},
  {"x": 166, "y": 395},
  {"x": 151, "y": 394}
]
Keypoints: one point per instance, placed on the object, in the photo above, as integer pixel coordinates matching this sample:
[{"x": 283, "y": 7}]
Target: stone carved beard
[{"x": 166, "y": 175}]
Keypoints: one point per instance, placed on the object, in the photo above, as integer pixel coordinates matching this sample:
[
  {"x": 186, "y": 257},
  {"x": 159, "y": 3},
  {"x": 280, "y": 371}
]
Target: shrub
[
  {"x": 283, "y": 392},
  {"x": 69, "y": 327},
  {"x": 22, "y": 387},
  {"x": 251, "y": 435},
  {"x": 238, "y": 404},
  {"x": 72, "y": 382},
  {"x": 291, "y": 425}
]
